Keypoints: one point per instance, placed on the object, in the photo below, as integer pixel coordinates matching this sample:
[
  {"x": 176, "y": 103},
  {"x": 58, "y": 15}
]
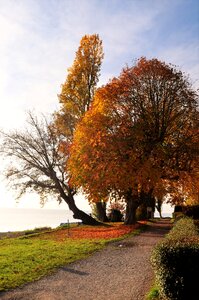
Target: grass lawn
[{"x": 27, "y": 258}]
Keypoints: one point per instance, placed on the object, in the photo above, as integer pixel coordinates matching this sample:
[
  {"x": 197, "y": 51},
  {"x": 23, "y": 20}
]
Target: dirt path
[{"x": 121, "y": 271}]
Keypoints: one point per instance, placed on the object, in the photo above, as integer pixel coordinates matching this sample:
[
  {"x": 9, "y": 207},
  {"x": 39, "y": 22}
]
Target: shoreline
[
  {"x": 18, "y": 233},
  {"x": 13, "y": 234},
  {"x": 12, "y": 220}
]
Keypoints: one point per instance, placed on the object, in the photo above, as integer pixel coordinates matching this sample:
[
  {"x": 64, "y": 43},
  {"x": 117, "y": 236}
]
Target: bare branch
[{"x": 36, "y": 163}]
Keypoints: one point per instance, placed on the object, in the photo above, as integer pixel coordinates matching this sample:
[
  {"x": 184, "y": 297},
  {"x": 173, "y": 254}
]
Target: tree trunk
[
  {"x": 86, "y": 219},
  {"x": 79, "y": 214},
  {"x": 160, "y": 213},
  {"x": 132, "y": 204},
  {"x": 69, "y": 199},
  {"x": 148, "y": 203},
  {"x": 141, "y": 213},
  {"x": 159, "y": 209},
  {"x": 159, "y": 206},
  {"x": 101, "y": 211}
]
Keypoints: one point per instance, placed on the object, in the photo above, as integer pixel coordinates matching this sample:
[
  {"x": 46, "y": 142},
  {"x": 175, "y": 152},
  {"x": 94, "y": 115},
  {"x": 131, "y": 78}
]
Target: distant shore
[
  {"x": 10, "y": 234},
  {"x": 13, "y": 234},
  {"x": 20, "y": 219}
]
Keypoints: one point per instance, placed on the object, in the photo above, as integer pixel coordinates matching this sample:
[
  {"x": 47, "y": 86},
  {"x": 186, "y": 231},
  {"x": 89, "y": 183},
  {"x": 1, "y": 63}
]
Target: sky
[{"x": 39, "y": 38}]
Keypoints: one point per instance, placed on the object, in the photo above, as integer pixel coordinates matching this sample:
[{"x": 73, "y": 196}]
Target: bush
[
  {"x": 176, "y": 262},
  {"x": 178, "y": 208},
  {"x": 184, "y": 229},
  {"x": 116, "y": 211},
  {"x": 115, "y": 215},
  {"x": 191, "y": 211},
  {"x": 186, "y": 210}
]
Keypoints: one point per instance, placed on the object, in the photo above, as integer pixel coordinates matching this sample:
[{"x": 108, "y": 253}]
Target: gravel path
[{"x": 121, "y": 271}]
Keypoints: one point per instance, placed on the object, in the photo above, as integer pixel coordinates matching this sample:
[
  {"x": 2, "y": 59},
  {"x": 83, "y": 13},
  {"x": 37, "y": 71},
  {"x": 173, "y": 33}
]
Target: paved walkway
[{"x": 121, "y": 271}]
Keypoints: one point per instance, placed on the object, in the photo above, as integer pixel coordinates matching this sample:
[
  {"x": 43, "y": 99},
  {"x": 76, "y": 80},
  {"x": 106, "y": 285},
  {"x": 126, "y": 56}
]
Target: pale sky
[{"x": 38, "y": 40}]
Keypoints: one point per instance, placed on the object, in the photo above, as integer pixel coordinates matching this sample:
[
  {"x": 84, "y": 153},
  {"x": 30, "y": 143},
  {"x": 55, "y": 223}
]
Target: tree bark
[
  {"x": 69, "y": 199},
  {"x": 147, "y": 200},
  {"x": 132, "y": 204},
  {"x": 101, "y": 211},
  {"x": 159, "y": 207},
  {"x": 160, "y": 213},
  {"x": 79, "y": 214},
  {"x": 142, "y": 212}
]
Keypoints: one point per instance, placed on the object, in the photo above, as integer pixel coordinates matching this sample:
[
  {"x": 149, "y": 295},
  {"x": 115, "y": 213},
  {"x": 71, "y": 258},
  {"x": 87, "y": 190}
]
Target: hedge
[
  {"x": 176, "y": 262},
  {"x": 191, "y": 211},
  {"x": 187, "y": 210}
]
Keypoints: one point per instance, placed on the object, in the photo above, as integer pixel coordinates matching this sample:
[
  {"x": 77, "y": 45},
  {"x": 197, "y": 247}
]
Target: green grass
[
  {"x": 30, "y": 257},
  {"x": 36, "y": 230},
  {"x": 24, "y": 260},
  {"x": 153, "y": 294}
]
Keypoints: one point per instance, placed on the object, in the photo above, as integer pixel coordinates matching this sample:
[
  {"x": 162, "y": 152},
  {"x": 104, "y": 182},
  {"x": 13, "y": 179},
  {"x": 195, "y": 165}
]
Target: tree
[
  {"x": 78, "y": 91},
  {"x": 38, "y": 165},
  {"x": 139, "y": 137},
  {"x": 80, "y": 85},
  {"x": 99, "y": 210},
  {"x": 158, "y": 206}
]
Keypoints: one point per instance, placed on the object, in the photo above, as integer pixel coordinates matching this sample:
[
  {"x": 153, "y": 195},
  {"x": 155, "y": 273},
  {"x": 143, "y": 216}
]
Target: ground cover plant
[{"x": 27, "y": 258}]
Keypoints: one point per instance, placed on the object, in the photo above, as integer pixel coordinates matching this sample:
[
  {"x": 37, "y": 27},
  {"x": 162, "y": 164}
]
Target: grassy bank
[
  {"x": 25, "y": 260},
  {"x": 28, "y": 258}
]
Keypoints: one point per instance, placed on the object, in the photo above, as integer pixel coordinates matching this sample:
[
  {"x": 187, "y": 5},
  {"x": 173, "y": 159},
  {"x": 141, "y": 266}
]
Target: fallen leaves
[{"x": 88, "y": 232}]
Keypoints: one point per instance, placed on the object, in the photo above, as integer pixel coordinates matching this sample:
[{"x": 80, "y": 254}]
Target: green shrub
[
  {"x": 153, "y": 294},
  {"x": 177, "y": 216},
  {"x": 176, "y": 262},
  {"x": 183, "y": 229}
]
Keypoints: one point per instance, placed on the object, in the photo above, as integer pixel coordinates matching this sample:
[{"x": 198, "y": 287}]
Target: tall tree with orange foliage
[
  {"x": 77, "y": 92},
  {"x": 139, "y": 137},
  {"x": 80, "y": 85}
]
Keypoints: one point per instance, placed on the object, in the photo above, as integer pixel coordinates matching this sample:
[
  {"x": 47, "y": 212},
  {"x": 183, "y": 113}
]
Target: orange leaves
[
  {"x": 137, "y": 132},
  {"x": 64, "y": 147},
  {"x": 102, "y": 232},
  {"x": 78, "y": 90},
  {"x": 97, "y": 232}
]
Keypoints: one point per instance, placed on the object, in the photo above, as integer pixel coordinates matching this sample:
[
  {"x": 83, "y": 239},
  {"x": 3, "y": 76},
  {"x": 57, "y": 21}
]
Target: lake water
[
  {"x": 164, "y": 214},
  {"x": 16, "y": 219}
]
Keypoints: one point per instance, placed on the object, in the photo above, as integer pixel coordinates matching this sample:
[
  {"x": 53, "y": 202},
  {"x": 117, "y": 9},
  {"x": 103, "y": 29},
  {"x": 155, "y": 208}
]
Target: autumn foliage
[
  {"x": 140, "y": 135},
  {"x": 42, "y": 149},
  {"x": 78, "y": 90}
]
